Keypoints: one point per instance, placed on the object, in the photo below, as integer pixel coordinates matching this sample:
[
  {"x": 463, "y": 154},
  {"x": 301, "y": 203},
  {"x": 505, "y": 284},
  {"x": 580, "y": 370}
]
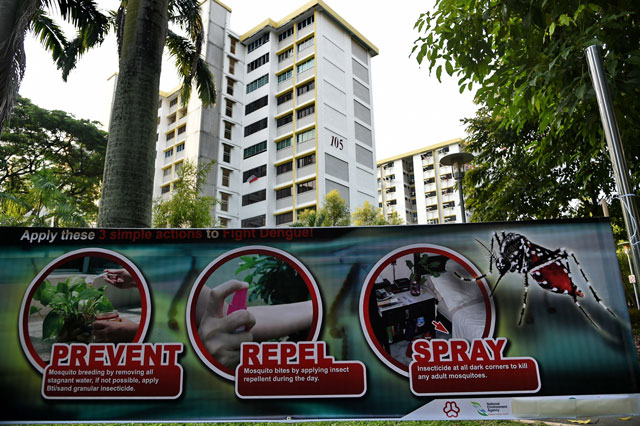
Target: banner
[{"x": 464, "y": 321}]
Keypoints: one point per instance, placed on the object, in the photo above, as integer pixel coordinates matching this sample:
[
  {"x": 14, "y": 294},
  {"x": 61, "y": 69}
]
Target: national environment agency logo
[
  {"x": 451, "y": 409},
  {"x": 479, "y": 409}
]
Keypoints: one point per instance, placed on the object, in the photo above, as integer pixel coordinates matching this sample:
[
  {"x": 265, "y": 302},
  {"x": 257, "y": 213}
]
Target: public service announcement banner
[{"x": 467, "y": 321}]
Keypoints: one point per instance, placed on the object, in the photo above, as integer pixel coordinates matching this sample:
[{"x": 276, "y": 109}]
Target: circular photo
[
  {"x": 423, "y": 291},
  {"x": 86, "y": 296},
  {"x": 252, "y": 294}
]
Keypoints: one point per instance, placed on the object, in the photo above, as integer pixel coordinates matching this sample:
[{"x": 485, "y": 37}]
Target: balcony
[
  {"x": 284, "y": 203},
  {"x": 281, "y": 154},
  {"x": 306, "y": 197},
  {"x": 305, "y": 31},
  {"x": 286, "y": 62},
  {"x": 449, "y": 197},
  {"x": 431, "y": 200},
  {"x": 287, "y": 84},
  {"x": 284, "y": 130},
  {"x": 302, "y": 76},
  {"x": 305, "y": 121},
  {"x": 305, "y": 97},
  {"x": 283, "y": 107},
  {"x": 306, "y": 171},
  {"x": 284, "y": 178}
]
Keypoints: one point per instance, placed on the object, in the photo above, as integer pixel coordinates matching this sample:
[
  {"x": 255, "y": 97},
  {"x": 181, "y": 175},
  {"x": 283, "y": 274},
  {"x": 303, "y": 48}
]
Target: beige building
[{"x": 418, "y": 188}]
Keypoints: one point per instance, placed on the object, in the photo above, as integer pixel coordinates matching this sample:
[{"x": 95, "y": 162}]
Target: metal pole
[
  {"x": 614, "y": 144},
  {"x": 635, "y": 283},
  {"x": 462, "y": 213}
]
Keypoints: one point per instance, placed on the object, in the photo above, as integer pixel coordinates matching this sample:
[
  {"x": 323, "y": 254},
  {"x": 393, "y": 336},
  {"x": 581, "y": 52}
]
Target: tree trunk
[
  {"x": 127, "y": 189},
  {"x": 15, "y": 16}
]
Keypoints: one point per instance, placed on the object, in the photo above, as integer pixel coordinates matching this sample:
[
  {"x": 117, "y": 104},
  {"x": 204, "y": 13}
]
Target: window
[
  {"x": 166, "y": 172},
  {"x": 284, "y": 168},
  {"x": 224, "y": 201},
  {"x": 255, "y": 149},
  {"x": 284, "y": 218},
  {"x": 253, "y": 222},
  {"x": 305, "y": 136},
  {"x": 285, "y": 76},
  {"x": 171, "y": 119},
  {"x": 306, "y": 87},
  {"x": 256, "y": 84},
  {"x": 227, "y": 129},
  {"x": 226, "y": 177},
  {"x": 255, "y": 127},
  {"x": 180, "y": 147},
  {"x": 285, "y": 55},
  {"x": 283, "y": 193},
  {"x": 257, "y": 43},
  {"x": 165, "y": 189},
  {"x": 255, "y": 173},
  {"x": 232, "y": 45},
  {"x": 285, "y": 143},
  {"x": 306, "y": 186},
  {"x": 285, "y": 97},
  {"x": 256, "y": 105},
  {"x": 183, "y": 112},
  {"x": 308, "y": 110},
  {"x": 230, "y": 83},
  {"x": 284, "y": 120},
  {"x": 177, "y": 167},
  {"x": 169, "y": 153},
  {"x": 226, "y": 153},
  {"x": 228, "y": 108},
  {"x": 285, "y": 34},
  {"x": 254, "y": 197},
  {"x": 305, "y": 161},
  {"x": 182, "y": 129},
  {"x": 171, "y": 135},
  {"x": 224, "y": 222},
  {"x": 304, "y": 44},
  {"x": 173, "y": 102},
  {"x": 308, "y": 64},
  {"x": 232, "y": 65},
  {"x": 257, "y": 63},
  {"x": 305, "y": 23}
]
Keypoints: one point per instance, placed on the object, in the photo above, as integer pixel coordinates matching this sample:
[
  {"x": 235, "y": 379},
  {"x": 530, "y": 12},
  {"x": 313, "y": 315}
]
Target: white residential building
[
  {"x": 293, "y": 118},
  {"x": 418, "y": 188}
]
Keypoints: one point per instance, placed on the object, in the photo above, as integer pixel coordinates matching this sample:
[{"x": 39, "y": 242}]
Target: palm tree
[
  {"x": 142, "y": 29},
  {"x": 19, "y": 16}
]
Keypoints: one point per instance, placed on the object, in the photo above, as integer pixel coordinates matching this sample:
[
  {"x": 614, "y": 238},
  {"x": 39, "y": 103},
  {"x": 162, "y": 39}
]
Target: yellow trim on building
[
  {"x": 314, "y": 3},
  {"x": 420, "y": 150}
]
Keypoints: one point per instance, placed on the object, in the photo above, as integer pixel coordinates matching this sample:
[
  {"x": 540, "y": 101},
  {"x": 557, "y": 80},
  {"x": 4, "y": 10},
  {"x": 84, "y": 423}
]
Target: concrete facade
[
  {"x": 418, "y": 188},
  {"x": 293, "y": 119}
]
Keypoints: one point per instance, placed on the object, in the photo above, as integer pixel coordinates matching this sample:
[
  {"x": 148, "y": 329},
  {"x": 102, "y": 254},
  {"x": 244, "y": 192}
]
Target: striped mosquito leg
[
  {"x": 593, "y": 291},
  {"x": 524, "y": 298}
]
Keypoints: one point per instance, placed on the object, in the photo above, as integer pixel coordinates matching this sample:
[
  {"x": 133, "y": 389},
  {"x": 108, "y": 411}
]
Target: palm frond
[{"x": 51, "y": 36}]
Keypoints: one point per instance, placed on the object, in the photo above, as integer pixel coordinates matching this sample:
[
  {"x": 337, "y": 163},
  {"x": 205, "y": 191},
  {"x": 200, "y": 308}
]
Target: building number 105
[{"x": 337, "y": 142}]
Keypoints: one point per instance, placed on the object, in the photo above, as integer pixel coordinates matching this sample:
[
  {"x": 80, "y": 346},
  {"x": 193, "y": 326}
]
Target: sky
[{"x": 411, "y": 108}]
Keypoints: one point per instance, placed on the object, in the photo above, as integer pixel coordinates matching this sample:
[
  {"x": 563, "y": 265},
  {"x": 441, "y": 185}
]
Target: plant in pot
[
  {"x": 424, "y": 265},
  {"x": 73, "y": 305}
]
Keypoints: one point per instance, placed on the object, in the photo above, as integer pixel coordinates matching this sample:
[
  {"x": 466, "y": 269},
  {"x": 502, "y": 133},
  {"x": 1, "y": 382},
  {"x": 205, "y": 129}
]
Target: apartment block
[
  {"x": 418, "y": 188},
  {"x": 293, "y": 118}
]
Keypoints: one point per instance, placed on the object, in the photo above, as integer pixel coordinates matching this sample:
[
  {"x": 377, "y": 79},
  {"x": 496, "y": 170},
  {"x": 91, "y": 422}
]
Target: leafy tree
[
  {"x": 368, "y": 215},
  {"x": 142, "y": 27},
  {"x": 540, "y": 125},
  {"x": 50, "y": 167},
  {"x": 334, "y": 212},
  {"x": 187, "y": 207},
  {"x": 19, "y": 16}
]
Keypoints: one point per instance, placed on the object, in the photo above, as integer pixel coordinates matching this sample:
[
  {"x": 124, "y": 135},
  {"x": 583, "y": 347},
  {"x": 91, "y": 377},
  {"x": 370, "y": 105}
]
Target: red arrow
[{"x": 439, "y": 327}]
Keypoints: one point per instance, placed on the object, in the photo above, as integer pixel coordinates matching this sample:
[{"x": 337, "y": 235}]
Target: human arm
[
  {"x": 120, "y": 331},
  {"x": 120, "y": 278},
  {"x": 273, "y": 321}
]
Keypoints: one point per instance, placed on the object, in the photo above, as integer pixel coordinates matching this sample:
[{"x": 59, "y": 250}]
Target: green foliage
[
  {"x": 50, "y": 168},
  {"x": 334, "y": 212},
  {"x": 187, "y": 207},
  {"x": 272, "y": 280},
  {"x": 526, "y": 60},
  {"x": 368, "y": 215},
  {"x": 74, "y": 305},
  {"x": 428, "y": 265}
]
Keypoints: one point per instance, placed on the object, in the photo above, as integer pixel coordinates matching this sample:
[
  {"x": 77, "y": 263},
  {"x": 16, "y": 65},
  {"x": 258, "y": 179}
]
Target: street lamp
[
  {"x": 457, "y": 160},
  {"x": 632, "y": 277}
]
